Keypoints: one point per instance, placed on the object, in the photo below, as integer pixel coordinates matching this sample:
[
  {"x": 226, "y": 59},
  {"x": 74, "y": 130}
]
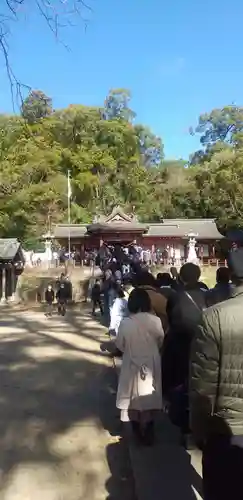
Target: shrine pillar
[
  {"x": 12, "y": 283},
  {"x": 3, "y": 298}
]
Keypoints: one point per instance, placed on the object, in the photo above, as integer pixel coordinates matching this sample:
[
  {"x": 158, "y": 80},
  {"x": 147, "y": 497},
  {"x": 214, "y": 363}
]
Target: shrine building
[{"x": 119, "y": 227}]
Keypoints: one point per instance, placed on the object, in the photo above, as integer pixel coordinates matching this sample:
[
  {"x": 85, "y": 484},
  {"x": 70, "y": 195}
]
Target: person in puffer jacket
[{"x": 216, "y": 390}]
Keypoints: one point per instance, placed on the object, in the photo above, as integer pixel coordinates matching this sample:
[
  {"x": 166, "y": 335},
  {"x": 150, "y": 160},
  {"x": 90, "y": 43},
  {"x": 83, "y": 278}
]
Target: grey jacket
[{"x": 216, "y": 370}]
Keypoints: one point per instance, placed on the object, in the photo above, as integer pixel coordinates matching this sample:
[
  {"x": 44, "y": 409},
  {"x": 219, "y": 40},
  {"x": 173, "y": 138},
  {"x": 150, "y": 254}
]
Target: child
[
  {"x": 49, "y": 298},
  {"x": 96, "y": 297},
  {"x": 61, "y": 297}
]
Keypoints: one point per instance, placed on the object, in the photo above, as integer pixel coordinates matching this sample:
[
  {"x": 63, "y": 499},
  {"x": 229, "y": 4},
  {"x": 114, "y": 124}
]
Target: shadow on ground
[
  {"x": 48, "y": 389},
  {"x": 165, "y": 468},
  {"x": 57, "y": 395}
]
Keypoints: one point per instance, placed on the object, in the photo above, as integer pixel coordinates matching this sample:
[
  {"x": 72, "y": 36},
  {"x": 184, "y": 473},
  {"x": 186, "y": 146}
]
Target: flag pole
[{"x": 69, "y": 216}]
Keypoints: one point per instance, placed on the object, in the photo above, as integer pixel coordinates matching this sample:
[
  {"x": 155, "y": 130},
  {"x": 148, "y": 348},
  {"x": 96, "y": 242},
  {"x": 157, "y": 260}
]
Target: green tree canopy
[
  {"x": 220, "y": 125},
  {"x": 150, "y": 146},
  {"x": 112, "y": 161},
  {"x": 36, "y": 106},
  {"x": 117, "y": 105}
]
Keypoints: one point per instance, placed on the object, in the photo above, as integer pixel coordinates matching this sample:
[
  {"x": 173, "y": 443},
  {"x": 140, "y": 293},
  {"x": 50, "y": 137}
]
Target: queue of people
[{"x": 182, "y": 348}]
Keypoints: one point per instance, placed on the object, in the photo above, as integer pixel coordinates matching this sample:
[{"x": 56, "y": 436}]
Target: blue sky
[{"x": 179, "y": 58}]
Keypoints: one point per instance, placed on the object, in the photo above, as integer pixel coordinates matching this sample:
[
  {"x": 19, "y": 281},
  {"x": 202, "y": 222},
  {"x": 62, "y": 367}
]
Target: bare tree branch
[{"x": 58, "y": 14}]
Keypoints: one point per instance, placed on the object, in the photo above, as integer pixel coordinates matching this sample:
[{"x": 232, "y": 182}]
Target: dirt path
[{"x": 58, "y": 423}]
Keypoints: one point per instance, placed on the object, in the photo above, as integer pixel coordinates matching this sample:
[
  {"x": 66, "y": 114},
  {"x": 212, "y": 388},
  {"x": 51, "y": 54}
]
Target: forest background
[{"x": 113, "y": 160}]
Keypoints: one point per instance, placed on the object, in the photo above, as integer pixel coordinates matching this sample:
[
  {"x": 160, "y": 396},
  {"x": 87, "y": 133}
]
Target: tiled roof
[
  {"x": 116, "y": 226},
  {"x": 201, "y": 228},
  {"x": 8, "y": 248},
  {"x": 76, "y": 230},
  {"x": 117, "y": 212}
]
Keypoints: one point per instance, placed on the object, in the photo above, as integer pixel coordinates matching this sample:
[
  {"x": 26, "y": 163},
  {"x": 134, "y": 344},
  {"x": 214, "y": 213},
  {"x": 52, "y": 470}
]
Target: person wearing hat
[{"x": 216, "y": 390}]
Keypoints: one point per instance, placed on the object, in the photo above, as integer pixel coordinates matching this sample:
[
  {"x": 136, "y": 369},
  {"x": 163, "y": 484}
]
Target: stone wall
[{"x": 33, "y": 283}]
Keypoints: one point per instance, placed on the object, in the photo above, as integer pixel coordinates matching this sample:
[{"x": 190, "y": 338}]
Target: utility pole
[{"x": 69, "y": 192}]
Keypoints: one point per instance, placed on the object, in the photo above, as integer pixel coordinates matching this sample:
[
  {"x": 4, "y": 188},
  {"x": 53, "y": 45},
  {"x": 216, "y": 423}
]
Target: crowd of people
[{"x": 182, "y": 352}]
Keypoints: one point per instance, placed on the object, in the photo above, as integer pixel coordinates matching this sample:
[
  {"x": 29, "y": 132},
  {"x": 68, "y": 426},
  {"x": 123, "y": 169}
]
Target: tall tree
[
  {"x": 151, "y": 146},
  {"x": 199, "y": 157},
  {"x": 36, "y": 106},
  {"x": 219, "y": 185},
  {"x": 117, "y": 105},
  {"x": 220, "y": 125},
  {"x": 111, "y": 161}
]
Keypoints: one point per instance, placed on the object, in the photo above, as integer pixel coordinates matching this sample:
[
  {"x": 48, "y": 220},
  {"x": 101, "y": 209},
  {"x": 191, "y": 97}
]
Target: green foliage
[
  {"x": 151, "y": 147},
  {"x": 117, "y": 105},
  {"x": 112, "y": 161},
  {"x": 36, "y": 106},
  {"x": 217, "y": 169},
  {"x": 220, "y": 125},
  {"x": 220, "y": 185}
]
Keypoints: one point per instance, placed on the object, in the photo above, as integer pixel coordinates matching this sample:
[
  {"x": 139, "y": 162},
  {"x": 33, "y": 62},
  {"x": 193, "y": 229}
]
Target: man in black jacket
[
  {"x": 216, "y": 391},
  {"x": 222, "y": 289},
  {"x": 184, "y": 311},
  {"x": 96, "y": 297},
  {"x": 62, "y": 296}
]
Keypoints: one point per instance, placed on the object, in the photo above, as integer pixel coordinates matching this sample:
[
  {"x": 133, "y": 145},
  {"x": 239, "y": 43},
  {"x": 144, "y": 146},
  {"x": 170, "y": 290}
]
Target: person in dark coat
[
  {"x": 164, "y": 282},
  {"x": 184, "y": 307},
  {"x": 222, "y": 289},
  {"x": 49, "y": 298},
  {"x": 216, "y": 391},
  {"x": 96, "y": 297},
  {"x": 175, "y": 281},
  {"x": 62, "y": 296},
  {"x": 202, "y": 286},
  {"x": 184, "y": 311},
  {"x": 163, "y": 279}
]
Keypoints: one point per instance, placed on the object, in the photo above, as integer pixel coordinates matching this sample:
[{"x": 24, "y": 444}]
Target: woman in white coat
[{"x": 140, "y": 338}]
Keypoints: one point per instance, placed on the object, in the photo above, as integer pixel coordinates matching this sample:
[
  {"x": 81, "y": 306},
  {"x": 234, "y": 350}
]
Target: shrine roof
[
  {"x": 181, "y": 228},
  {"x": 75, "y": 230},
  {"x": 119, "y": 221},
  {"x": 9, "y": 247},
  {"x": 177, "y": 228},
  {"x": 117, "y": 215},
  {"x": 113, "y": 226}
]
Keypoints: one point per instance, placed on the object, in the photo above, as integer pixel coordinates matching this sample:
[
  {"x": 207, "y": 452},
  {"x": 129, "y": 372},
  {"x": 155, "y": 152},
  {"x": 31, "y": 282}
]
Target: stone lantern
[{"x": 192, "y": 255}]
